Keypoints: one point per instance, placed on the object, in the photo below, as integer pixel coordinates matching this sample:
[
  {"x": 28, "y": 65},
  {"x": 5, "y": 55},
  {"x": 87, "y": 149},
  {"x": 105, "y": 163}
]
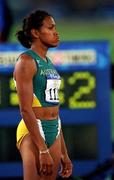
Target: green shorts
[{"x": 49, "y": 130}]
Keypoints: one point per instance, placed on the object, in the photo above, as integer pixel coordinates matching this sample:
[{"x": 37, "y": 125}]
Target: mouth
[{"x": 57, "y": 39}]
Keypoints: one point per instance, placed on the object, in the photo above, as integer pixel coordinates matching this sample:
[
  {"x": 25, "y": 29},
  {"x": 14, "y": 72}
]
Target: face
[{"x": 48, "y": 34}]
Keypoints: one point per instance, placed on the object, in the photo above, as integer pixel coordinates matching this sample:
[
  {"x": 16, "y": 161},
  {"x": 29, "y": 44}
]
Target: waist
[{"x": 46, "y": 113}]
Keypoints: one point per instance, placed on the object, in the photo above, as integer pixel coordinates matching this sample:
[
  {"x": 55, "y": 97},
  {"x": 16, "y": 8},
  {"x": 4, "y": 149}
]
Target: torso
[{"x": 44, "y": 106}]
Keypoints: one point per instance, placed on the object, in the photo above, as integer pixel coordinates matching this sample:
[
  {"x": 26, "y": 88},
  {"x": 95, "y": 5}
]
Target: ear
[{"x": 35, "y": 33}]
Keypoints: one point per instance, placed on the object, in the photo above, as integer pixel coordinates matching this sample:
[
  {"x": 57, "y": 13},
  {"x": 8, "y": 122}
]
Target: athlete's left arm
[{"x": 66, "y": 164}]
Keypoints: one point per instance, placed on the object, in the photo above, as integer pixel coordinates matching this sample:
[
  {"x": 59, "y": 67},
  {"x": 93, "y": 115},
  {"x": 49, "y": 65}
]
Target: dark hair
[{"x": 34, "y": 20}]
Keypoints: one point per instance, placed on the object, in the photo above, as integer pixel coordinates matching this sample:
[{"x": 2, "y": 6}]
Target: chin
[{"x": 54, "y": 44}]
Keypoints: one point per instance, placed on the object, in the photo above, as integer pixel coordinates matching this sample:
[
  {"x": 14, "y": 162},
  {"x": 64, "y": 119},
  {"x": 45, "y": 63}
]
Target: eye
[{"x": 52, "y": 27}]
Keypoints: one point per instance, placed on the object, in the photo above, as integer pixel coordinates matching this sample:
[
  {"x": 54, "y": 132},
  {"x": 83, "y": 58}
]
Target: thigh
[{"x": 30, "y": 158}]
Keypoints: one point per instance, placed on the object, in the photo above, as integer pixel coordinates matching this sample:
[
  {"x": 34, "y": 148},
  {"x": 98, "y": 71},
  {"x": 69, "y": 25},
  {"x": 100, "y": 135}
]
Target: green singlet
[{"x": 46, "y": 82}]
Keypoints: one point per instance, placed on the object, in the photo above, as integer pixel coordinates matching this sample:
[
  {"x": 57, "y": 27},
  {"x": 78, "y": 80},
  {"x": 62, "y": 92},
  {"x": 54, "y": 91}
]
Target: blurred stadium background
[{"x": 77, "y": 20}]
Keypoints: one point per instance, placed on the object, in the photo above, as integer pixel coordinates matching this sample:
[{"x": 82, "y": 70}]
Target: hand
[
  {"x": 46, "y": 164},
  {"x": 66, "y": 167}
]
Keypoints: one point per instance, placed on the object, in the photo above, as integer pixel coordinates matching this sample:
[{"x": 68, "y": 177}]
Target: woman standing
[{"x": 39, "y": 135}]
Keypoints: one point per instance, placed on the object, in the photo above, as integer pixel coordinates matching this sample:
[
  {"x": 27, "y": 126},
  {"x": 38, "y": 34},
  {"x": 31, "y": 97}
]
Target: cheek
[
  {"x": 47, "y": 37},
  {"x": 47, "y": 34}
]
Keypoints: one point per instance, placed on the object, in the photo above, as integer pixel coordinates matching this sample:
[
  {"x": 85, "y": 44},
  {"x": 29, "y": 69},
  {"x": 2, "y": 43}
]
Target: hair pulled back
[{"x": 32, "y": 21}]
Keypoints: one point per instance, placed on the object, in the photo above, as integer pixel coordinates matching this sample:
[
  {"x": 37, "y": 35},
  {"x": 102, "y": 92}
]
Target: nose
[{"x": 56, "y": 33}]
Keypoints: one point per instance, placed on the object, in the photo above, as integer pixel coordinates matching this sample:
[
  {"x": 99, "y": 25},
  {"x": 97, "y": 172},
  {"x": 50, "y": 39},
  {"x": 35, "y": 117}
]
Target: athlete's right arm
[{"x": 24, "y": 72}]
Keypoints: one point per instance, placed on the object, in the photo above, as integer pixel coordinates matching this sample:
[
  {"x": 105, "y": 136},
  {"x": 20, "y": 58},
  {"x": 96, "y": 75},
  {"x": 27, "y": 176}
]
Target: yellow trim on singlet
[
  {"x": 22, "y": 130},
  {"x": 36, "y": 102}
]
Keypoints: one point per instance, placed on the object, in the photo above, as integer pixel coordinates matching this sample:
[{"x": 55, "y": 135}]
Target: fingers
[
  {"x": 66, "y": 173},
  {"x": 46, "y": 170},
  {"x": 66, "y": 170},
  {"x": 49, "y": 169},
  {"x": 42, "y": 169},
  {"x": 46, "y": 164}
]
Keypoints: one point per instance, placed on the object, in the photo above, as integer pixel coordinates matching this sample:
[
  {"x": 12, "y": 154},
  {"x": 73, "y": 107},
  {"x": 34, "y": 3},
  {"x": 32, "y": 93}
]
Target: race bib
[{"x": 52, "y": 89}]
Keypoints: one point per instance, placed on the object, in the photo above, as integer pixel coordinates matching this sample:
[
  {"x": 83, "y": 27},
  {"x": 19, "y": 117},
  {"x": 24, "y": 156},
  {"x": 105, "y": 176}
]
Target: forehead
[{"x": 48, "y": 21}]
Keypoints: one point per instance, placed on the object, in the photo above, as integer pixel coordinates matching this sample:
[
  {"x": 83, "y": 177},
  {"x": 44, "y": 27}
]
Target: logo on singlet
[{"x": 38, "y": 61}]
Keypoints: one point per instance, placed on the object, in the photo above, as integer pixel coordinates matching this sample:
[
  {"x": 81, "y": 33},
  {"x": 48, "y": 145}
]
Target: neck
[{"x": 40, "y": 50}]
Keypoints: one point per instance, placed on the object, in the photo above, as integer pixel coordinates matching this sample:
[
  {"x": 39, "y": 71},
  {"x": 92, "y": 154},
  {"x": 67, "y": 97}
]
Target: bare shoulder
[
  {"x": 25, "y": 60},
  {"x": 25, "y": 65}
]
